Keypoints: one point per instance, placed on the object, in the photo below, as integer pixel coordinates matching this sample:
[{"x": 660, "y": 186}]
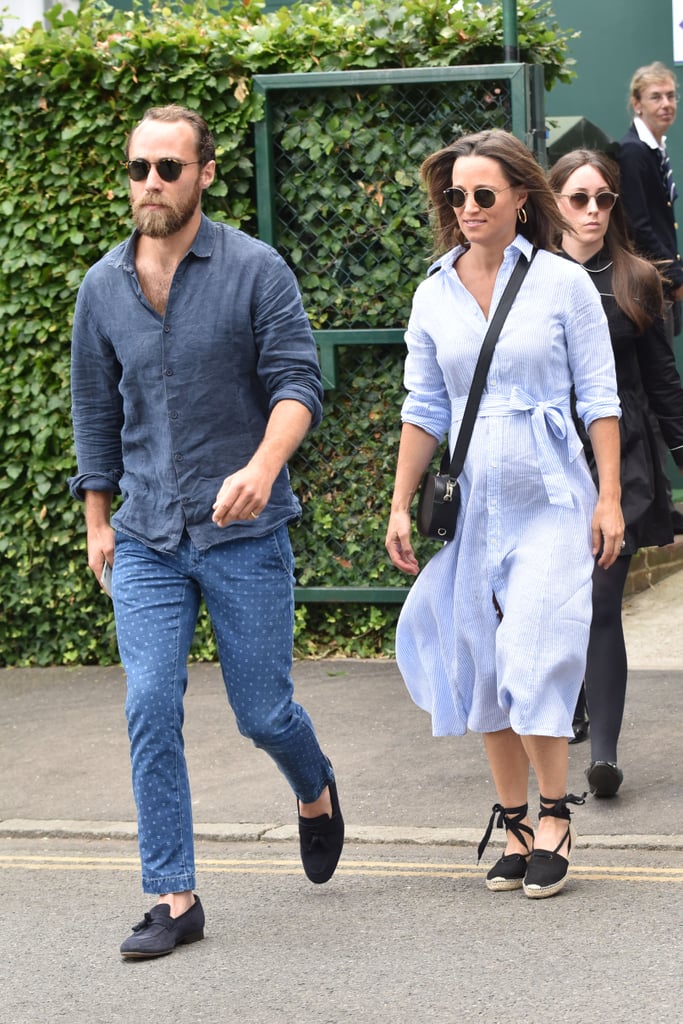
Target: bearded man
[{"x": 194, "y": 380}]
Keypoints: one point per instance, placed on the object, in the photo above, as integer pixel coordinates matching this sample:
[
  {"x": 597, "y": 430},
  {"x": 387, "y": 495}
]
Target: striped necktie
[{"x": 667, "y": 174}]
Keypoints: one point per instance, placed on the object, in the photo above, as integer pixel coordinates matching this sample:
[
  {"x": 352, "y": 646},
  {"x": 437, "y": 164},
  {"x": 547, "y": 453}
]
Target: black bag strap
[{"x": 482, "y": 368}]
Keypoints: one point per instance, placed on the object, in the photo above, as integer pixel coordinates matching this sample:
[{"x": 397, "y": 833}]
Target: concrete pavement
[{"x": 64, "y": 759}]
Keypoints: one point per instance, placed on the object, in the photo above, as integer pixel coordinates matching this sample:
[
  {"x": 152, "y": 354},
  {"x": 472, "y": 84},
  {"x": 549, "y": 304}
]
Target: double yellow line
[{"x": 292, "y": 866}]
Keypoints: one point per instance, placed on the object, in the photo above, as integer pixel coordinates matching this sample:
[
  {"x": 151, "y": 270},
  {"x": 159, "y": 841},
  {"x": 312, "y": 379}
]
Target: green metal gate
[{"x": 360, "y": 248}]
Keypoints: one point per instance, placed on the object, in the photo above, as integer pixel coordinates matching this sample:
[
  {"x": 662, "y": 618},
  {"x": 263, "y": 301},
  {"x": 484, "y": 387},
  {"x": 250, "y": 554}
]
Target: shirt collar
[
  {"x": 202, "y": 246},
  {"x": 646, "y": 136}
]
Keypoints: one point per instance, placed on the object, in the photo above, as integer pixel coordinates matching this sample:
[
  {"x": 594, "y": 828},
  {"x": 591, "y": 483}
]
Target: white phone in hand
[{"x": 105, "y": 578}]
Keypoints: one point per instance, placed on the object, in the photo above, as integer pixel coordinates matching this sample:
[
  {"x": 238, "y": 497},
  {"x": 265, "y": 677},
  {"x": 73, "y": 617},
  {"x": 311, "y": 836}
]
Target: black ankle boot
[
  {"x": 547, "y": 870},
  {"x": 580, "y": 722},
  {"x": 604, "y": 778},
  {"x": 508, "y": 872}
]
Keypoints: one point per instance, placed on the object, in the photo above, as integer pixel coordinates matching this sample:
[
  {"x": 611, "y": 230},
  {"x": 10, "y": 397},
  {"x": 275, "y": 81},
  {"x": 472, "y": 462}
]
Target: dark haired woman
[
  {"x": 587, "y": 186},
  {"x": 494, "y": 632}
]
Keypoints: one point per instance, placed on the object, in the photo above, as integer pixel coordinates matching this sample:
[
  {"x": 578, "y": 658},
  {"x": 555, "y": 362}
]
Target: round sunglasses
[
  {"x": 483, "y": 197},
  {"x": 580, "y": 200},
  {"x": 168, "y": 168}
]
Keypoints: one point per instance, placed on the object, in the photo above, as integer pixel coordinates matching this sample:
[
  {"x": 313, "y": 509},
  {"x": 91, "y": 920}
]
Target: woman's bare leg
[{"x": 509, "y": 765}]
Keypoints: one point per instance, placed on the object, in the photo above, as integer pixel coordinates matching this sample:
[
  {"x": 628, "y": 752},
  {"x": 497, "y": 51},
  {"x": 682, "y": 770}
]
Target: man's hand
[
  {"x": 243, "y": 495},
  {"x": 99, "y": 534}
]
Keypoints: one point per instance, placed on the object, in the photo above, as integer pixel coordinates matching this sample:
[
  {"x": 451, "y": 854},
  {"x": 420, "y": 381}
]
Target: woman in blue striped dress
[{"x": 493, "y": 635}]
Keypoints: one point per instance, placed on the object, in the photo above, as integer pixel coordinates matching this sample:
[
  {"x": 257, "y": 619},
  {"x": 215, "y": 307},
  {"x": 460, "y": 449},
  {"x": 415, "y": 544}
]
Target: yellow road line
[{"x": 287, "y": 866}]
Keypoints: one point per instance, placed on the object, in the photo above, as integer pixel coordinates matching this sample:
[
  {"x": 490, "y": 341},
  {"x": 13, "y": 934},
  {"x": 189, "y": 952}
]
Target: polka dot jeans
[{"x": 247, "y": 585}]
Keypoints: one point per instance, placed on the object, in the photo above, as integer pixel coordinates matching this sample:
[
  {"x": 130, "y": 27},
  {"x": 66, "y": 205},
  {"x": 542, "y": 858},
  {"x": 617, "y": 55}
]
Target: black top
[
  {"x": 648, "y": 207},
  {"x": 651, "y": 399}
]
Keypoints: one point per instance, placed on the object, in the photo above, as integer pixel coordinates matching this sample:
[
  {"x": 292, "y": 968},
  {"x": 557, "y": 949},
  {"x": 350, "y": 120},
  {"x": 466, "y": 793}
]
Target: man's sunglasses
[
  {"x": 483, "y": 197},
  {"x": 603, "y": 200},
  {"x": 168, "y": 168}
]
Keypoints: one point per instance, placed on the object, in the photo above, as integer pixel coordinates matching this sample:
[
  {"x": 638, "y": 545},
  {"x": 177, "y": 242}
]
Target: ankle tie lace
[
  {"x": 558, "y": 808},
  {"x": 509, "y": 818}
]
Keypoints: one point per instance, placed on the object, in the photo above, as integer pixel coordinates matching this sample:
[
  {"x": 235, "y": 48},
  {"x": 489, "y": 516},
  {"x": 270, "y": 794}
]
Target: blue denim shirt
[{"x": 165, "y": 407}]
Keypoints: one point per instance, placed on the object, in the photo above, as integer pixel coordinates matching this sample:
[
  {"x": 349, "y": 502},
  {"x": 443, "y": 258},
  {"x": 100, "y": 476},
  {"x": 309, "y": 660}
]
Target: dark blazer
[{"x": 649, "y": 211}]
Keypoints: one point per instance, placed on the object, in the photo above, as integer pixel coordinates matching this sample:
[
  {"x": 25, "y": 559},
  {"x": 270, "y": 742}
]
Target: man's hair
[
  {"x": 206, "y": 149},
  {"x": 648, "y": 75}
]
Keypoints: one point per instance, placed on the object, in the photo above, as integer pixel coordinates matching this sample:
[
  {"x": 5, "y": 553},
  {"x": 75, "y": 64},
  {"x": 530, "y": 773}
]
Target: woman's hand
[
  {"x": 607, "y": 526},
  {"x": 398, "y": 543},
  {"x": 607, "y": 530},
  {"x": 415, "y": 452}
]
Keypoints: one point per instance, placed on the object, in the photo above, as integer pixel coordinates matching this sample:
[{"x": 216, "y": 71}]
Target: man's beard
[{"x": 162, "y": 223}]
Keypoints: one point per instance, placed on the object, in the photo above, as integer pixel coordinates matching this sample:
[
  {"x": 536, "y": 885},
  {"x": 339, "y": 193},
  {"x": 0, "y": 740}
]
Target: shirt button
[
  {"x": 178, "y": 457},
  {"x": 174, "y": 415},
  {"x": 167, "y": 329},
  {"x": 169, "y": 373}
]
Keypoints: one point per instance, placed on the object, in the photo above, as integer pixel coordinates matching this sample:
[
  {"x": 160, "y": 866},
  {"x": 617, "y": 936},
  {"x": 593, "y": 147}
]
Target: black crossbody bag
[{"x": 439, "y": 502}]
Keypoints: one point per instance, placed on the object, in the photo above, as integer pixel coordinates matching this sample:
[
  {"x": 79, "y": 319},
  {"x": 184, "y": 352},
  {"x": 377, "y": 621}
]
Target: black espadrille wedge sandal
[
  {"x": 508, "y": 872},
  {"x": 547, "y": 870}
]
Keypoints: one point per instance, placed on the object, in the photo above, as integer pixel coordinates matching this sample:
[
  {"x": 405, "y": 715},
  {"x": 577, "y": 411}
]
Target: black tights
[{"x": 606, "y": 667}]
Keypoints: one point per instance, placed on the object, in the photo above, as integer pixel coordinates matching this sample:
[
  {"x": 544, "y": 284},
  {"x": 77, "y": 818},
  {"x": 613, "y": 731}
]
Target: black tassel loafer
[
  {"x": 321, "y": 841},
  {"x": 158, "y": 933}
]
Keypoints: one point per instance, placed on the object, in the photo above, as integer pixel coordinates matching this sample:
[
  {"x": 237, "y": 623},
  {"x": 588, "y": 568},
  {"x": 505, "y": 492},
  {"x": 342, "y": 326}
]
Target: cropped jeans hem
[{"x": 247, "y": 585}]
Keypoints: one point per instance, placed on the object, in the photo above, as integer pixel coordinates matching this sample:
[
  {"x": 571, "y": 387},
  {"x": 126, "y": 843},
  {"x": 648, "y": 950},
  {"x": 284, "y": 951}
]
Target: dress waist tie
[{"x": 547, "y": 417}]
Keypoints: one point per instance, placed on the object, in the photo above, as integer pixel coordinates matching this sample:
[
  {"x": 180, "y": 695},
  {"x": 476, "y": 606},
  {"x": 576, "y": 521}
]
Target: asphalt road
[
  {"x": 405, "y": 934},
  {"x": 406, "y": 931}
]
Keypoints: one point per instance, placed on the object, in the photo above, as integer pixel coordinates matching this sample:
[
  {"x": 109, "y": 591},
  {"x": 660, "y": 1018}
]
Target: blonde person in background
[
  {"x": 648, "y": 189},
  {"x": 648, "y": 193}
]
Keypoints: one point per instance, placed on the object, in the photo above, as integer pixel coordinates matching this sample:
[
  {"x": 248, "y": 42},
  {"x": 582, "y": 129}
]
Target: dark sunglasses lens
[
  {"x": 169, "y": 170},
  {"x": 605, "y": 200},
  {"x": 455, "y": 197},
  {"x": 484, "y": 197},
  {"x": 137, "y": 169}
]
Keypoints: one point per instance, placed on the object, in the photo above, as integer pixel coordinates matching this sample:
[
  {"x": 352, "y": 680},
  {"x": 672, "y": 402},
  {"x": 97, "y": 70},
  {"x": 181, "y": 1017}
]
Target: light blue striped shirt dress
[{"x": 523, "y": 530}]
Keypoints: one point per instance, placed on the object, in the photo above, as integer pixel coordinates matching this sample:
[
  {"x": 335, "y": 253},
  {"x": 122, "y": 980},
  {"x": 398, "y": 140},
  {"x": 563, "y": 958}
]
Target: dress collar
[
  {"x": 598, "y": 262},
  {"x": 520, "y": 244}
]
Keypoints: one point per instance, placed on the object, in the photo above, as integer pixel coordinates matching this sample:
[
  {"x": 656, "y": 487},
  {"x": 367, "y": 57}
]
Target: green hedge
[{"x": 68, "y": 95}]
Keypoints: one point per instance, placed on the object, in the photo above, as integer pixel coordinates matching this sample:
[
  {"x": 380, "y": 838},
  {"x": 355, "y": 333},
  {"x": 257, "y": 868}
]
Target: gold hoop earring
[{"x": 522, "y": 215}]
